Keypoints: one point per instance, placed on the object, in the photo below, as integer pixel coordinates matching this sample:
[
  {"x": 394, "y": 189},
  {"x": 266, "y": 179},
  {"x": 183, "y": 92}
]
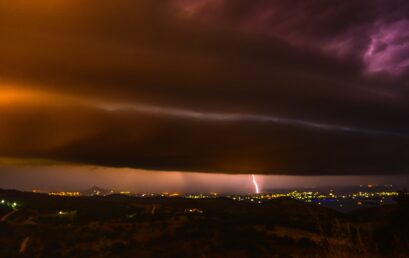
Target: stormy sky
[{"x": 310, "y": 87}]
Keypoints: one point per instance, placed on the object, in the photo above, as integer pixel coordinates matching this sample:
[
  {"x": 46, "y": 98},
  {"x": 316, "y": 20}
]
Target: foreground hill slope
[{"x": 122, "y": 226}]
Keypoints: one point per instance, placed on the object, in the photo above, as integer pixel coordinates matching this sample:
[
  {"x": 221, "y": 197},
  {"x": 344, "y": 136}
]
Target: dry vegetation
[{"x": 121, "y": 226}]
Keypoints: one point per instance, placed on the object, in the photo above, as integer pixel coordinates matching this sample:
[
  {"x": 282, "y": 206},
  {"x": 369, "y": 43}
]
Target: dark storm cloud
[
  {"x": 346, "y": 28},
  {"x": 129, "y": 138},
  {"x": 289, "y": 86}
]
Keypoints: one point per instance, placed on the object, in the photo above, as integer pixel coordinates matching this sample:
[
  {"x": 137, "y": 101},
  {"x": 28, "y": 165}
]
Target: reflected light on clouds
[{"x": 70, "y": 178}]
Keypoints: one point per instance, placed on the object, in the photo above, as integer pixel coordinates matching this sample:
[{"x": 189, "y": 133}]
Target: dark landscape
[{"x": 125, "y": 226}]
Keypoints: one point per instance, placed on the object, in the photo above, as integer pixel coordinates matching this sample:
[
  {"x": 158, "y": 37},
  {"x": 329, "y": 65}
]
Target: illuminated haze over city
[{"x": 203, "y": 95}]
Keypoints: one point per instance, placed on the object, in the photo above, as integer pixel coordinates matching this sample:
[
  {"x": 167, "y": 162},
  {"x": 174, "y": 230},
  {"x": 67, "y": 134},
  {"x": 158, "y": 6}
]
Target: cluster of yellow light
[
  {"x": 125, "y": 193},
  {"x": 68, "y": 214},
  {"x": 373, "y": 194},
  {"x": 174, "y": 194},
  {"x": 294, "y": 194},
  {"x": 147, "y": 195},
  {"x": 69, "y": 194},
  {"x": 193, "y": 210},
  {"x": 166, "y": 194},
  {"x": 199, "y": 196},
  {"x": 38, "y": 191},
  {"x": 309, "y": 196}
]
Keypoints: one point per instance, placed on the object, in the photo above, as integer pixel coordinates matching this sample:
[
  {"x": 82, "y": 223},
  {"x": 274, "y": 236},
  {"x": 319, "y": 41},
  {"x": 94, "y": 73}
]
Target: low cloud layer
[{"x": 274, "y": 87}]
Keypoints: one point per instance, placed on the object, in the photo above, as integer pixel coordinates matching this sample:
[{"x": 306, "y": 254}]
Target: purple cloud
[
  {"x": 389, "y": 48},
  {"x": 373, "y": 33}
]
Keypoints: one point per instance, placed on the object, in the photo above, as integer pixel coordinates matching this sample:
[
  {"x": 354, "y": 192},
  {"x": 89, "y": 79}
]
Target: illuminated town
[
  {"x": 368, "y": 196},
  {"x": 279, "y": 217}
]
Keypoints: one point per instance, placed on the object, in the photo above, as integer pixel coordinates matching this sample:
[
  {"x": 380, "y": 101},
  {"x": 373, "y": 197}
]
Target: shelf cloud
[{"x": 273, "y": 87}]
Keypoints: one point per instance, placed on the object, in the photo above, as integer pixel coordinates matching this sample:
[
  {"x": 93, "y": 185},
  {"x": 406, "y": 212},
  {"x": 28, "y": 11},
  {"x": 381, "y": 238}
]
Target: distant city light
[
  {"x": 194, "y": 210},
  {"x": 69, "y": 194}
]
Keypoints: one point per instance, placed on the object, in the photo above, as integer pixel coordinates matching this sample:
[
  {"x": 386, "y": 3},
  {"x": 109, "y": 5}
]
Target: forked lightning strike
[{"x": 255, "y": 184}]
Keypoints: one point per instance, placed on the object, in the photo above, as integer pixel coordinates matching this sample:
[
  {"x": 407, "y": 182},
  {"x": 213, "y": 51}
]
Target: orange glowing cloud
[
  {"x": 28, "y": 95},
  {"x": 18, "y": 96}
]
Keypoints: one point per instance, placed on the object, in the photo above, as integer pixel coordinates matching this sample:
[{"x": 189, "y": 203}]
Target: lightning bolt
[{"x": 255, "y": 184}]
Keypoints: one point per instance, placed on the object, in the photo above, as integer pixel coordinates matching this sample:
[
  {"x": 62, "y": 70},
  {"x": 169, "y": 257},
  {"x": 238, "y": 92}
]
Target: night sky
[{"x": 279, "y": 87}]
